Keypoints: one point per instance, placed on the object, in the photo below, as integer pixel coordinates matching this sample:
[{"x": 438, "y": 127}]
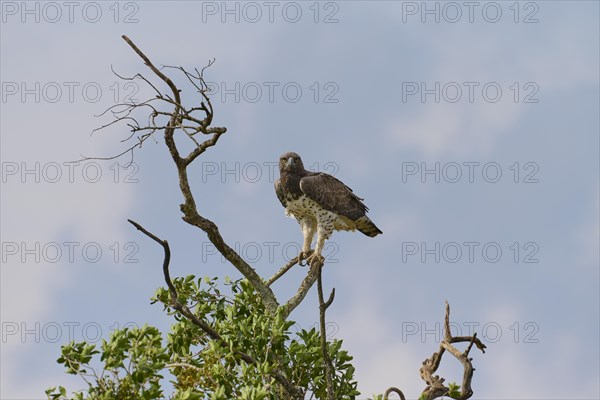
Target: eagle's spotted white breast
[
  {"x": 305, "y": 207},
  {"x": 320, "y": 203}
]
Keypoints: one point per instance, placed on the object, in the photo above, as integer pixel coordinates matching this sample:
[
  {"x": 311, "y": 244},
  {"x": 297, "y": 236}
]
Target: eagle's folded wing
[
  {"x": 333, "y": 195},
  {"x": 279, "y": 192}
]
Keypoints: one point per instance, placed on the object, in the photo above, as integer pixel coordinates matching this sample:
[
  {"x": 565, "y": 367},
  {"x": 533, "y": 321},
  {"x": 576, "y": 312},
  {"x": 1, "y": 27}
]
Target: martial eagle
[{"x": 320, "y": 203}]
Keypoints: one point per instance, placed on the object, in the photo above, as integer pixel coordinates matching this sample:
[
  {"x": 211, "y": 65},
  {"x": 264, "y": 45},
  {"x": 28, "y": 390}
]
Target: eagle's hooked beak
[{"x": 290, "y": 162}]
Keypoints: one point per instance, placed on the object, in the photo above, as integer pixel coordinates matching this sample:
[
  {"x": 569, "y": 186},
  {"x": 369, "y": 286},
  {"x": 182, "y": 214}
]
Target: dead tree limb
[
  {"x": 189, "y": 209},
  {"x": 282, "y": 271},
  {"x": 308, "y": 281},
  {"x": 435, "y": 384}
]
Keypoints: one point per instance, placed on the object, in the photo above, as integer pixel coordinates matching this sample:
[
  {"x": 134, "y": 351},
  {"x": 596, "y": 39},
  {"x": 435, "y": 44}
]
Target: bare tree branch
[
  {"x": 435, "y": 384},
  {"x": 282, "y": 271},
  {"x": 266, "y": 294},
  {"x": 162, "y": 76},
  {"x": 183, "y": 309},
  {"x": 308, "y": 281},
  {"x": 191, "y": 215},
  {"x": 286, "y": 268}
]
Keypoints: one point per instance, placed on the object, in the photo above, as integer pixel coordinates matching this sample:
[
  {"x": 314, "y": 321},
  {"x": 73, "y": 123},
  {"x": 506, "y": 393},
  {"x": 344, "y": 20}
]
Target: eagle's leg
[
  {"x": 309, "y": 227},
  {"x": 324, "y": 231}
]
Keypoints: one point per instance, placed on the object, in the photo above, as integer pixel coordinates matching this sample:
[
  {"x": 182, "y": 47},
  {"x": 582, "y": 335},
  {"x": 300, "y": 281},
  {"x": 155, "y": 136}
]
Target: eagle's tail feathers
[{"x": 366, "y": 226}]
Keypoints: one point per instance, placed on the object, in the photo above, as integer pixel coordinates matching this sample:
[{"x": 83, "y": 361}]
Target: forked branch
[{"x": 435, "y": 384}]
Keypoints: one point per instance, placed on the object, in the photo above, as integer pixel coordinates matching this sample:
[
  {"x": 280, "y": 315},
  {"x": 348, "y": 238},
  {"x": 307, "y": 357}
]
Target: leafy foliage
[
  {"x": 202, "y": 368},
  {"x": 133, "y": 359},
  {"x": 454, "y": 391}
]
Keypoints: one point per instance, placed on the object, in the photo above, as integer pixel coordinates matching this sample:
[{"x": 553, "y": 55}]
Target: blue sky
[{"x": 418, "y": 115}]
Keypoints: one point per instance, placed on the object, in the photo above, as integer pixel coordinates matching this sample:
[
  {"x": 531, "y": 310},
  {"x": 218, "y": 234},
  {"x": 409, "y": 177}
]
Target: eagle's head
[{"x": 290, "y": 163}]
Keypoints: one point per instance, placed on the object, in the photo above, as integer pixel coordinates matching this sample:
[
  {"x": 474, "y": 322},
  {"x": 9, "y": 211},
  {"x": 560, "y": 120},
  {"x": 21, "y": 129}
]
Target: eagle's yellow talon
[
  {"x": 315, "y": 260},
  {"x": 303, "y": 256}
]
